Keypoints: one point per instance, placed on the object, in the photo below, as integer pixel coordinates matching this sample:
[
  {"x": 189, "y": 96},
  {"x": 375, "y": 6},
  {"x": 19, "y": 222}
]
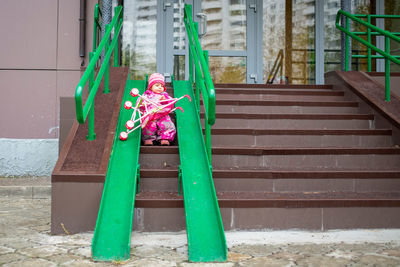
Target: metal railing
[
  {"x": 83, "y": 111},
  {"x": 371, "y": 30},
  {"x": 202, "y": 78},
  {"x": 278, "y": 66}
]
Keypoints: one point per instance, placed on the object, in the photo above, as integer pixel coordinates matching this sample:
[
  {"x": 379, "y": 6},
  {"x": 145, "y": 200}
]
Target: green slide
[
  {"x": 205, "y": 232},
  {"x": 112, "y": 235}
]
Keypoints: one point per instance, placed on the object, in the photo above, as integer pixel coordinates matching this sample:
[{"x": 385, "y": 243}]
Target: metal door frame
[{"x": 254, "y": 40}]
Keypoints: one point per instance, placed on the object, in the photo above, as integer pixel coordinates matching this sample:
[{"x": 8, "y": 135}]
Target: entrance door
[{"x": 233, "y": 37}]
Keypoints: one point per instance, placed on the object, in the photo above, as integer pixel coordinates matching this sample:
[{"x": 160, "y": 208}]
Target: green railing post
[
  {"x": 190, "y": 65},
  {"x": 207, "y": 125},
  {"x": 116, "y": 47},
  {"x": 347, "y": 46},
  {"x": 369, "y": 41},
  {"x": 208, "y": 140},
  {"x": 387, "y": 70},
  {"x": 107, "y": 72},
  {"x": 91, "y": 135},
  {"x": 197, "y": 92}
]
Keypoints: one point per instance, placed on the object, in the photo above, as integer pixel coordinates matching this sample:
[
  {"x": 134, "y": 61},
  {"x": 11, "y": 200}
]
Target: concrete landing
[{"x": 25, "y": 240}]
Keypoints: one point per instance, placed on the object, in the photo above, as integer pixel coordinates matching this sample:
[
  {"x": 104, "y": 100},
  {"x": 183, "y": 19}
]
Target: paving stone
[
  {"x": 5, "y": 250},
  {"x": 207, "y": 264},
  {"x": 256, "y": 250},
  {"x": 378, "y": 260},
  {"x": 42, "y": 251},
  {"x": 320, "y": 260},
  {"x": 265, "y": 261},
  {"x": 391, "y": 252},
  {"x": 25, "y": 240},
  {"x": 66, "y": 258},
  {"x": 10, "y": 257},
  {"x": 150, "y": 263},
  {"x": 238, "y": 257},
  {"x": 30, "y": 263}
]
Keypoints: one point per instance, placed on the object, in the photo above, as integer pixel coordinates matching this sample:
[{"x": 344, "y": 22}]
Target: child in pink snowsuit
[{"x": 159, "y": 126}]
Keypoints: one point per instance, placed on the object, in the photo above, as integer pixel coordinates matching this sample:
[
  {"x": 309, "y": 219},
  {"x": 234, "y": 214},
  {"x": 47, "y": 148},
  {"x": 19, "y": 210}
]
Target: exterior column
[{"x": 288, "y": 40}]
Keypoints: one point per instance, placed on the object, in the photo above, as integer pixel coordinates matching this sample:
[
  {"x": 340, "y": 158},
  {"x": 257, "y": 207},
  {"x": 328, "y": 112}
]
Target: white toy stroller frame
[{"x": 143, "y": 117}]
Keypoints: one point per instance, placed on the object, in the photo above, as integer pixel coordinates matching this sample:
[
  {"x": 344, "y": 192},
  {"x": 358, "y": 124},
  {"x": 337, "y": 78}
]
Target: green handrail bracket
[
  {"x": 372, "y": 30},
  {"x": 82, "y": 111},
  {"x": 202, "y": 78}
]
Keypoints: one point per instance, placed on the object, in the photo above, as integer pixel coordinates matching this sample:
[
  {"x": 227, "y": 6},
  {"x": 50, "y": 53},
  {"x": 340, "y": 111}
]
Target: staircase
[{"x": 299, "y": 157}]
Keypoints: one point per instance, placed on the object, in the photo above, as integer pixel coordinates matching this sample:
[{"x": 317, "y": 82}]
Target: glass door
[{"x": 232, "y": 35}]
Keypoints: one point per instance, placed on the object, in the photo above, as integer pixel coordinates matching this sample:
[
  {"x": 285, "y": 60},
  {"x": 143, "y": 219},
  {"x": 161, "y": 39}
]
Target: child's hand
[{"x": 162, "y": 97}]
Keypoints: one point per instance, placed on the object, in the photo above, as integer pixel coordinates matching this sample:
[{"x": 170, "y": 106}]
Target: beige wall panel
[
  {"x": 89, "y": 27},
  {"x": 68, "y": 35},
  {"x": 67, "y": 82},
  {"x": 31, "y": 31},
  {"x": 28, "y": 104}
]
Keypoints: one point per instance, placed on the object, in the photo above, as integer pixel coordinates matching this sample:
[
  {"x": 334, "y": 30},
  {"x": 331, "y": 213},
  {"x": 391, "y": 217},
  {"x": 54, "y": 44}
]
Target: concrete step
[
  {"x": 25, "y": 187},
  {"x": 300, "y": 158},
  {"x": 301, "y": 137},
  {"x": 274, "y": 95},
  {"x": 278, "y": 91},
  {"x": 226, "y": 180},
  {"x": 159, "y": 157},
  {"x": 282, "y": 109},
  {"x": 293, "y": 121},
  {"x": 263, "y": 210},
  {"x": 385, "y": 158},
  {"x": 285, "y": 103},
  {"x": 250, "y": 87},
  {"x": 276, "y": 200}
]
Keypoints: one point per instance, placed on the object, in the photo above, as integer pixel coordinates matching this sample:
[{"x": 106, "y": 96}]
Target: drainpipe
[
  {"x": 346, "y": 6},
  {"x": 82, "y": 31},
  {"x": 106, "y": 10}
]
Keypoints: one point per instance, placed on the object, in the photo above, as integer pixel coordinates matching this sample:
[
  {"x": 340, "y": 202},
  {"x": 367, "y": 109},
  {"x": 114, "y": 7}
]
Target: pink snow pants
[{"x": 159, "y": 129}]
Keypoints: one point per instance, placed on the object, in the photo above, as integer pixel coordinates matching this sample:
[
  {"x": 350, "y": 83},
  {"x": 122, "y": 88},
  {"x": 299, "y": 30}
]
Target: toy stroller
[{"x": 145, "y": 112}]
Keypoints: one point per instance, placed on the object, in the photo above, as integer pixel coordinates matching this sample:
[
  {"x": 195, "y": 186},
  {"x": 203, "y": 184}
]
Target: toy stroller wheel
[
  {"x": 123, "y": 136},
  {"x": 134, "y": 92},
  {"x": 128, "y": 105},
  {"x": 129, "y": 125}
]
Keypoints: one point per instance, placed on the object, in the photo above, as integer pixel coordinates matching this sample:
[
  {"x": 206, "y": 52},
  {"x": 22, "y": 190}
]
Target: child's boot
[
  {"x": 164, "y": 142},
  {"x": 148, "y": 142}
]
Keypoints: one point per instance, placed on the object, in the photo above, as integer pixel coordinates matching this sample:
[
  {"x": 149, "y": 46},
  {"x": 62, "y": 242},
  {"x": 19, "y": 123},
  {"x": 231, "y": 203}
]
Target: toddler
[{"x": 159, "y": 126}]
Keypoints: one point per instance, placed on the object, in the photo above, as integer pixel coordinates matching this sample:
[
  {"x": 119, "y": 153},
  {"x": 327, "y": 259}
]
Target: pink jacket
[{"x": 156, "y": 98}]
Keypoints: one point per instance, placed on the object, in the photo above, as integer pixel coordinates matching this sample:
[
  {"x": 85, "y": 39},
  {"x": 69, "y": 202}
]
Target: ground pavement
[{"x": 25, "y": 240}]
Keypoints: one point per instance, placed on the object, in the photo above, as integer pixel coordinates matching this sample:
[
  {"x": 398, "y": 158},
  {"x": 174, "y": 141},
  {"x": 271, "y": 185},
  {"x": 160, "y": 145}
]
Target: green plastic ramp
[
  {"x": 205, "y": 232},
  {"x": 112, "y": 235}
]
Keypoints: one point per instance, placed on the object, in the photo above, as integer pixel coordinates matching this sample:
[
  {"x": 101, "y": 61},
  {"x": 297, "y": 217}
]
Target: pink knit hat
[{"x": 156, "y": 78}]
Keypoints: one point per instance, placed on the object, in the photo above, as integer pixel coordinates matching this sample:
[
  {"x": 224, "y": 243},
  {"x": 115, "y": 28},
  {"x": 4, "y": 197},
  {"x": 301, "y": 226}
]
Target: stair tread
[
  {"x": 281, "y": 173},
  {"x": 257, "y": 150},
  {"x": 152, "y": 195},
  {"x": 242, "y": 115},
  {"x": 232, "y": 131},
  {"x": 269, "y": 91},
  {"x": 246, "y": 199},
  {"x": 267, "y": 86},
  {"x": 304, "y": 150},
  {"x": 286, "y": 103}
]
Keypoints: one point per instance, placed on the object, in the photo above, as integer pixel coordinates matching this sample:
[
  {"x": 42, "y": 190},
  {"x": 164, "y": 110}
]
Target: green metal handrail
[
  {"x": 202, "y": 78},
  {"x": 82, "y": 111},
  {"x": 377, "y": 31}
]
